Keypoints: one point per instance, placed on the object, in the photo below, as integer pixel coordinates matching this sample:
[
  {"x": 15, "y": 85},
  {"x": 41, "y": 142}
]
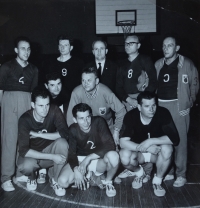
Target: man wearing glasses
[{"x": 136, "y": 74}]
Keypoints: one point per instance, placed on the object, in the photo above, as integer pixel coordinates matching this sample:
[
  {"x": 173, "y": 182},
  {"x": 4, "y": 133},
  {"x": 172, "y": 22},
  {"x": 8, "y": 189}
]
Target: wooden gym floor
[{"x": 186, "y": 196}]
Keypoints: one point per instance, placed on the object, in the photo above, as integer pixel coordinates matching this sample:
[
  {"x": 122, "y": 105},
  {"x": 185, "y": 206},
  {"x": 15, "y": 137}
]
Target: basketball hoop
[{"x": 126, "y": 26}]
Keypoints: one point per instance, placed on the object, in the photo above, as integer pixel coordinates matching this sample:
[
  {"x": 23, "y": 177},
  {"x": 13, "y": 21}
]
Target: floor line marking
[{"x": 63, "y": 200}]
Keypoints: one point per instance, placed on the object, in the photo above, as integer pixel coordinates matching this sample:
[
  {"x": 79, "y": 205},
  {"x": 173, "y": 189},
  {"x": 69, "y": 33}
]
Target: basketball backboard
[{"x": 109, "y": 13}]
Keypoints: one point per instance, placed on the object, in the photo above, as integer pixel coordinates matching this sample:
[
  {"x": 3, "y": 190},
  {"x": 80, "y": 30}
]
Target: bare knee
[
  {"x": 166, "y": 151},
  {"x": 126, "y": 156},
  {"x": 28, "y": 166},
  {"x": 66, "y": 177},
  {"x": 113, "y": 158},
  {"x": 65, "y": 181}
]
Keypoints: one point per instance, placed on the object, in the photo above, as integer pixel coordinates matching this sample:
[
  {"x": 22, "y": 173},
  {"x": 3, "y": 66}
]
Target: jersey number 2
[{"x": 92, "y": 146}]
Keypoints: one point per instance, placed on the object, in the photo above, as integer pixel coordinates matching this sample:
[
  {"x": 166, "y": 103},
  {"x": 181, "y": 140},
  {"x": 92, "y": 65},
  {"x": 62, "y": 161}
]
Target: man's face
[
  {"x": 84, "y": 120},
  {"x": 64, "y": 47},
  {"x": 132, "y": 45},
  {"x": 147, "y": 108},
  {"x": 41, "y": 107},
  {"x": 23, "y": 50},
  {"x": 89, "y": 82},
  {"x": 170, "y": 48},
  {"x": 99, "y": 51},
  {"x": 54, "y": 87}
]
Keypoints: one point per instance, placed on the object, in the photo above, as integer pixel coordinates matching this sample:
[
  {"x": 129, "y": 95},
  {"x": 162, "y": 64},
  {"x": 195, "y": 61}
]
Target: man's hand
[
  {"x": 58, "y": 159},
  {"x": 116, "y": 137},
  {"x": 33, "y": 134},
  {"x": 154, "y": 149},
  {"x": 83, "y": 165},
  {"x": 142, "y": 147},
  {"x": 79, "y": 179},
  {"x": 132, "y": 102}
]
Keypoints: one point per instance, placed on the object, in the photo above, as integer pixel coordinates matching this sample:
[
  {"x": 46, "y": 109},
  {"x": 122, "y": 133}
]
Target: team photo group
[{"x": 79, "y": 124}]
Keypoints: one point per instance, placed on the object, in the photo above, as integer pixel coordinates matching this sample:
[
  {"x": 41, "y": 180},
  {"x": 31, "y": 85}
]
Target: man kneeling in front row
[
  {"x": 149, "y": 136},
  {"x": 91, "y": 152},
  {"x": 42, "y": 140}
]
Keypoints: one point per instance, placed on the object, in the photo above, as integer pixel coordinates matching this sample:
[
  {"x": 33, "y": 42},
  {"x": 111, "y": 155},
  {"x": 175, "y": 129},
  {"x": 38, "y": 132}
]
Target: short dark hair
[
  {"x": 39, "y": 91},
  {"x": 65, "y": 37},
  {"x": 146, "y": 95},
  {"x": 52, "y": 76},
  {"x": 21, "y": 38},
  {"x": 89, "y": 70},
  {"x": 99, "y": 41},
  {"x": 81, "y": 107}
]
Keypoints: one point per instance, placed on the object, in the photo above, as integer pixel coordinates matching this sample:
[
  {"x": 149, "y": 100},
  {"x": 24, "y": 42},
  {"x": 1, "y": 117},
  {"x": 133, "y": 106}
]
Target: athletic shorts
[{"x": 92, "y": 166}]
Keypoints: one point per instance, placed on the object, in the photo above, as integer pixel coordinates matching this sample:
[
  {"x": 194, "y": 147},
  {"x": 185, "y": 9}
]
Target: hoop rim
[{"x": 126, "y": 23}]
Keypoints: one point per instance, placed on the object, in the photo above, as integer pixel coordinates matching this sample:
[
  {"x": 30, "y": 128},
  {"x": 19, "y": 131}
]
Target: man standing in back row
[
  {"x": 68, "y": 66},
  {"x": 107, "y": 70},
  {"x": 178, "y": 84},
  {"x": 18, "y": 77},
  {"x": 136, "y": 74}
]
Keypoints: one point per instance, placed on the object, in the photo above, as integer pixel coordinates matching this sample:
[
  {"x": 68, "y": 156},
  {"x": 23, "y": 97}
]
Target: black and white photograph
[{"x": 100, "y": 103}]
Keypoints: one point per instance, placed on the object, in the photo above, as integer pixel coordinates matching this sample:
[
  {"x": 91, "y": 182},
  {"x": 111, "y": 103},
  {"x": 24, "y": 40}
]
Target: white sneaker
[
  {"x": 146, "y": 178},
  {"x": 22, "y": 178},
  {"x": 117, "y": 180},
  {"x": 159, "y": 190},
  {"x": 41, "y": 178},
  {"x": 168, "y": 177},
  {"x": 126, "y": 173},
  {"x": 59, "y": 191},
  {"x": 137, "y": 182},
  {"x": 31, "y": 185},
  {"x": 8, "y": 186},
  {"x": 180, "y": 181},
  {"x": 110, "y": 189}
]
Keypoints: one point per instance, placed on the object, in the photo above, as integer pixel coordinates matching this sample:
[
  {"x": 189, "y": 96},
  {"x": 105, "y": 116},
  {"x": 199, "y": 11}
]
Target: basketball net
[{"x": 126, "y": 26}]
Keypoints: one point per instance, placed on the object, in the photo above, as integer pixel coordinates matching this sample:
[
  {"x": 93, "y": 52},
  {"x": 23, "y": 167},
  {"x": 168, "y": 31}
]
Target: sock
[
  {"x": 53, "y": 181},
  {"x": 156, "y": 180}
]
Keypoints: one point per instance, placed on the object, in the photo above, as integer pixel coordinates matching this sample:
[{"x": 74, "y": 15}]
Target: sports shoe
[
  {"x": 31, "y": 185},
  {"x": 59, "y": 191},
  {"x": 41, "y": 178},
  {"x": 137, "y": 182},
  {"x": 158, "y": 190},
  {"x": 8, "y": 186},
  {"x": 97, "y": 180},
  {"x": 168, "y": 177},
  {"x": 146, "y": 178},
  {"x": 110, "y": 189},
  {"x": 126, "y": 173},
  {"x": 22, "y": 178},
  {"x": 180, "y": 181},
  {"x": 117, "y": 180}
]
